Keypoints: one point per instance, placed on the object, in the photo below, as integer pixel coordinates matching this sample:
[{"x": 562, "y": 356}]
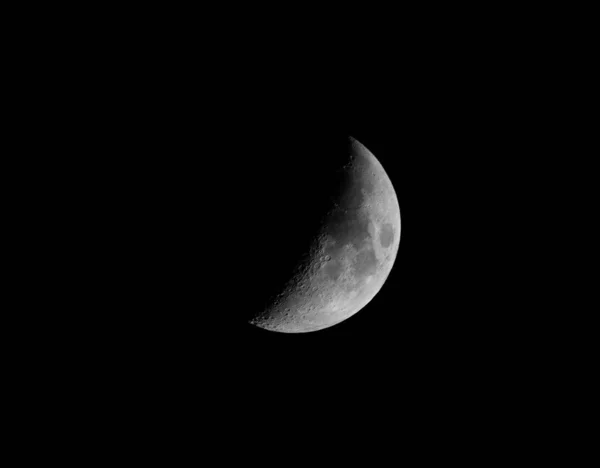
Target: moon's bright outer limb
[{"x": 349, "y": 260}]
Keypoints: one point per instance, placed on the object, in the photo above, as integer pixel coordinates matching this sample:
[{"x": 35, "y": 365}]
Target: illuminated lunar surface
[{"x": 351, "y": 257}]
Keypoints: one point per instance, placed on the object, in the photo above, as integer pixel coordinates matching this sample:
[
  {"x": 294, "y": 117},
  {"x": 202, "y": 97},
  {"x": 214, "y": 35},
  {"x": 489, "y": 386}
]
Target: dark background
[
  {"x": 172, "y": 172},
  {"x": 195, "y": 175},
  {"x": 181, "y": 173},
  {"x": 202, "y": 206}
]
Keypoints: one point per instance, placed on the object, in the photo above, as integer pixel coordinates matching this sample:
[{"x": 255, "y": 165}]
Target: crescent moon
[{"x": 351, "y": 257}]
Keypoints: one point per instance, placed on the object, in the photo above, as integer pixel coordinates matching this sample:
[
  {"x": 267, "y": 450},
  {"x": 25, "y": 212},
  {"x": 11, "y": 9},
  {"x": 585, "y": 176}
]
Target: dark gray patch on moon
[
  {"x": 386, "y": 236},
  {"x": 368, "y": 185},
  {"x": 365, "y": 262},
  {"x": 349, "y": 229},
  {"x": 333, "y": 269}
]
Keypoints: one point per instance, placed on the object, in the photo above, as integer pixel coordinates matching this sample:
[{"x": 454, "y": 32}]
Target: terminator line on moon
[{"x": 351, "y": 257}]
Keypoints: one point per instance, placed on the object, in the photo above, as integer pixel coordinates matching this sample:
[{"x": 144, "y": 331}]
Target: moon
[{"x": 351, "y": 256}]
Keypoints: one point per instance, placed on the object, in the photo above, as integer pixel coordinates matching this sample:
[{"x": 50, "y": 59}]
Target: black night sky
[
  {"x": 214, "y": 201},
  {"x": 198, "y": 187},
  {"x": 182, "y": 170}
]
